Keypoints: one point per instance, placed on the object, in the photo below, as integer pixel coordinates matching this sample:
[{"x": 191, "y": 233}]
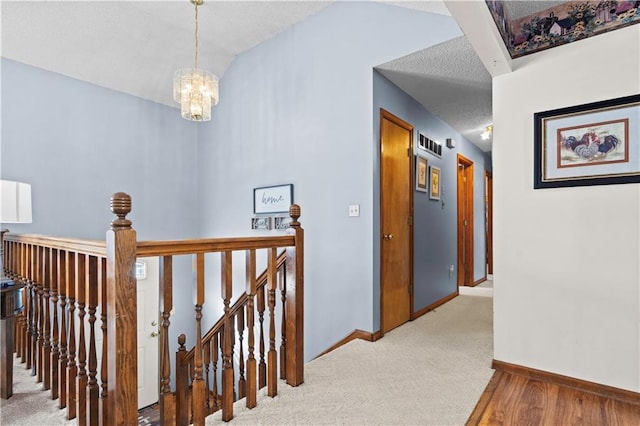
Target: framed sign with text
[{"x": 272, "y": 199}]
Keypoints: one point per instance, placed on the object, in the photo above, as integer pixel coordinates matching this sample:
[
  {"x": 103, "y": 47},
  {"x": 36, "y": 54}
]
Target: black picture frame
[
  {"x": 597, "y": 143},
  {"x": 272, "y": 199}
]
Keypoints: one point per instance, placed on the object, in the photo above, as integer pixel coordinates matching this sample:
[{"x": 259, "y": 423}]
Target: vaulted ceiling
[{"x": 134, "y": 47}]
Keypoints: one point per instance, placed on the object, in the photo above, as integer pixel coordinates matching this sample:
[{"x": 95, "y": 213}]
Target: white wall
[{"x": 567, "y": 278}]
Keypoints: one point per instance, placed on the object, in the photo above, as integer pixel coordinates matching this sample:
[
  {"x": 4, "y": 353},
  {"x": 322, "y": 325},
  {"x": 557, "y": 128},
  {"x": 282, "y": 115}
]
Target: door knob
[
  {"x": 387, "y": 236},
  {"x": 154, "y": 334}
]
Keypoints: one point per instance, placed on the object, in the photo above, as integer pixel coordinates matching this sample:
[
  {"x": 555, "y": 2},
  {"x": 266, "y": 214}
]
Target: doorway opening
[
  {"x": 465, "y": 221},
  {"x": 488, "y": 185}
]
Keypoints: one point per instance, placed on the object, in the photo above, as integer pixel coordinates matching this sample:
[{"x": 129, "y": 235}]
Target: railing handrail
[
  {"x": 211, "y": 245},
  {"x": 261, "y": 281},
  {"x": 78, "y": 245},
  {"x": 158, "y": 247}
]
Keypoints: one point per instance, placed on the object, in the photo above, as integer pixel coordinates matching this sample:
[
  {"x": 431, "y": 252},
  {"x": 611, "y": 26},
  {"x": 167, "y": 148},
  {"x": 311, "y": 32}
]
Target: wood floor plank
[
  {"x": 500, "y": 410},
  {"x": 513, "y": 399}
]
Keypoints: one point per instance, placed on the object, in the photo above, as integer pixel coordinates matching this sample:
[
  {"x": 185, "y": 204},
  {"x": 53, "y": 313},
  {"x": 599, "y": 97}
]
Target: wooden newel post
[
  {"x": 295, "y": 302},
  {"x": 122, "y": 356}
]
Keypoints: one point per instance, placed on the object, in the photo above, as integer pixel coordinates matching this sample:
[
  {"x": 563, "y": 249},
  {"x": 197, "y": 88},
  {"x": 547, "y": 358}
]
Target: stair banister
[{"x": 122, "y": 313}]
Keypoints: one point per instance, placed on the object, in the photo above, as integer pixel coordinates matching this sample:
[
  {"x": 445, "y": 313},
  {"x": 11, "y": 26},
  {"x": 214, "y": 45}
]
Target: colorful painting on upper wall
[{"x": 565, "y": 23}]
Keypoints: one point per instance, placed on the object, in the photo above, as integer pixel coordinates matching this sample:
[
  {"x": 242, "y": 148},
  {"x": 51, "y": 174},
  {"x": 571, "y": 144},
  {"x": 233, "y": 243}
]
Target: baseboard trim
[
  {"x": 372, "y": 337},
  {"x": 480, "y": 281},
  {"x": 605, "y": 391},
  {"x": 434, "y": 305},
  {"x": 356, "y": 334}
]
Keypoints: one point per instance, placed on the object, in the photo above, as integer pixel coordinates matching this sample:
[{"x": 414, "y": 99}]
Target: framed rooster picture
[{"x": 591, "y": 144}]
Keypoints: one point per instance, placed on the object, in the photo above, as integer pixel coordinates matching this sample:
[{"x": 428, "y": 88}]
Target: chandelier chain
[{"x": 196, "y": 35}]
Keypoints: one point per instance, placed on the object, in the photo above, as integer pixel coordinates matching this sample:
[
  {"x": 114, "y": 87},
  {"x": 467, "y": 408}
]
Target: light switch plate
[{"x": 354, "y": 210}]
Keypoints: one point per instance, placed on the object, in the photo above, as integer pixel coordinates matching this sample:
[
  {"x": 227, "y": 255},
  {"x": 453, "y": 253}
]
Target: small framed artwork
[
  {"x": 280, "y": 223},
  {"x": 421, "y": 174},
  {"x": 272, "y": 199},
  {"x": 590, "y": 144},
  {"x": 261, "y": 223},
  {"x": 434, "y": 185}
]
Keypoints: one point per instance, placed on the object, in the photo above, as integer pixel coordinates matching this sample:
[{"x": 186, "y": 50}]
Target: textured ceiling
[
  {"x": 135, "y": 46},
  {"x": 450, "y": 80}
]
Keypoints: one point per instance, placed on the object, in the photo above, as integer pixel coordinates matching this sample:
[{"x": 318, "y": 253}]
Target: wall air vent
[{"x": 429, "y": 145}]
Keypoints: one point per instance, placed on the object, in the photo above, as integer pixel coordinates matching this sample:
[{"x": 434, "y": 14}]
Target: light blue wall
[
  {"x": 297, "y": 109},
  {"x": 435, "y": 222},
  {"x": 77, "y": 144}
]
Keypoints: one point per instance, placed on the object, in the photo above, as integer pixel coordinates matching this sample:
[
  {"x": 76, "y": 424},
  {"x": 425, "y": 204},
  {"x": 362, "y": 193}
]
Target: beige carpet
[
  {"x": 30, "y": 405},
  {"x": 428, "y": 372},
  {"x": 431, "y": 371}
]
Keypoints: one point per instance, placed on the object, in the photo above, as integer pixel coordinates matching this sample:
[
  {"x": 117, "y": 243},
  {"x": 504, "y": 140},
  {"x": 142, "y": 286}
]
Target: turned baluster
[
  {"x": 55, "y": 349},
  {"x": 242, "y": 384},
  {"x": 182, "y": 383},
  {"x": 41, "y": 315},
  {"x": 62, "y": 358},
  {"x": 214, "y": 360},
  {"x": 23, "y": 315},
  {"x": 283, "y": 323},
  {"x": 93, "y": 391},
  {"x": 35, "y": 308},
  {"x": 295, "y": 301},
  {"x": 26, "y": 296},
  {"x": 262, "y": 366},
  {"x": 272, "y": 355},
  {"x": 81, "y": 378},
  {"x": 29, "y": 307},
  {"x": 251, "y": 360},
  {"x": 104, "y": 372},
  {"x": 167, "y": 404},
  {"x": 207, "y": 361},
  {"x": 227, "y": 362},
  {"x": 46, "y": 338},
  {"x": 22, "y": 318},
  {"x": 72, "y": 369},
  {"x": 198, "y": 389},
  {"x": 15, "y": 259}
]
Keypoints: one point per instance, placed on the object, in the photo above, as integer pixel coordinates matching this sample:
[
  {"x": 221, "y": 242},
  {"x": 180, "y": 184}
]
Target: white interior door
[{"x": 147, "y": 272}]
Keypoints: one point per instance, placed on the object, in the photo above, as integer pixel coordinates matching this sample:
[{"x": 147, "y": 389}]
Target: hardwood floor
[{"x": 514, "y": 399}]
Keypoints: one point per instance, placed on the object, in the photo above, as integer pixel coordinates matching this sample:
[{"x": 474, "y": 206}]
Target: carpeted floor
[{"x": 430, "y": 371}]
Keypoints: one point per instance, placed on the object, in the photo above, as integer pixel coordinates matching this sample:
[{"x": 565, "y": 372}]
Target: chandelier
[{"x": 195, "y": 89}]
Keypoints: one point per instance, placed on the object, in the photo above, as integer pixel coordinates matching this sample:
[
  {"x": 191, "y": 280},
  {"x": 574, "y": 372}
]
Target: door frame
[
  {"x": 465, "y": 199},
  {"x": 386, "y": 115},
  {"x": 488, "y": 180}
]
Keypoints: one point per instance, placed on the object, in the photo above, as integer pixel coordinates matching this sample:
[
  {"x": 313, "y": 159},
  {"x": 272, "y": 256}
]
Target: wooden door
[
  {"x": 465, "y": 221},
  {"x": 489, "y": 220},
  {"x": 148, "y": 290},
  {"x": 396, "y": 207}
]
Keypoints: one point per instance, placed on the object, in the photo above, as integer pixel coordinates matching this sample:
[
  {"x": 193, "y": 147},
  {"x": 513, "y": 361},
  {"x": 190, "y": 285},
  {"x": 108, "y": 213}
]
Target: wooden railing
[
  {"x": 68, "y": 282},
  {"x": 247, "y": 318}
]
